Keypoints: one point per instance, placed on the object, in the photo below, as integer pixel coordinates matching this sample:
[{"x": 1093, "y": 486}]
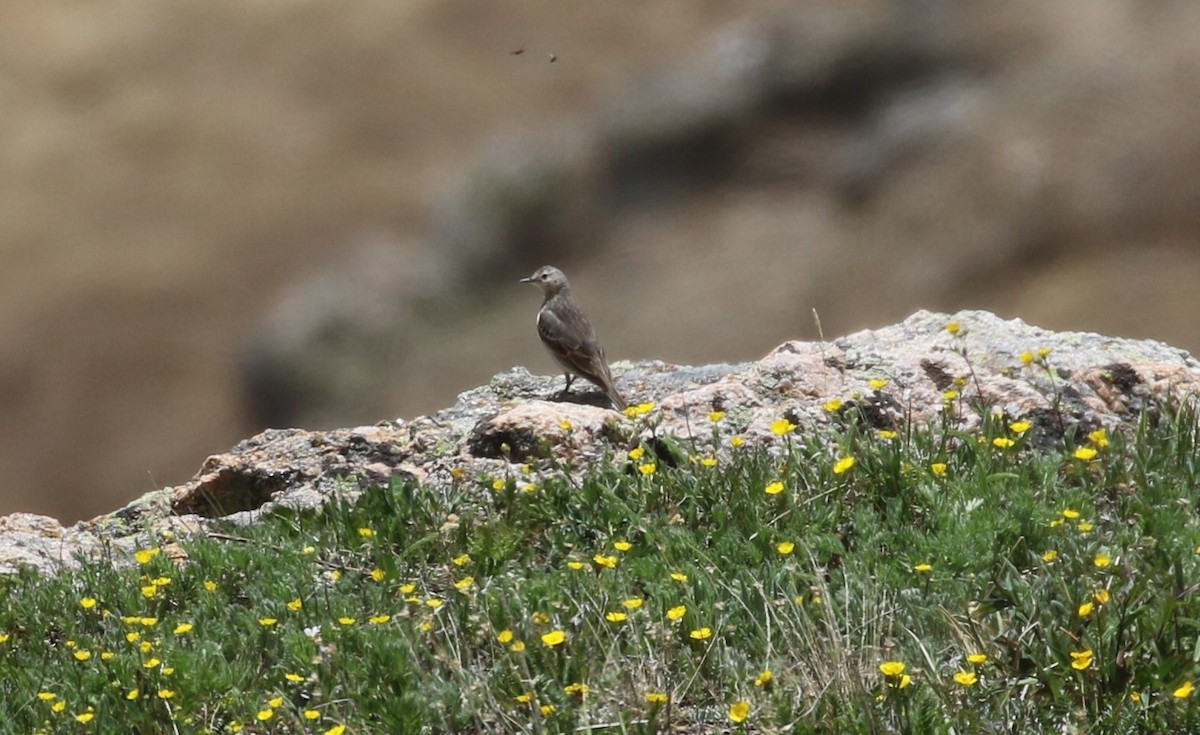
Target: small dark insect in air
[
  {"x": 553, "y": 58},
  {"x": 518, "y": 52}
]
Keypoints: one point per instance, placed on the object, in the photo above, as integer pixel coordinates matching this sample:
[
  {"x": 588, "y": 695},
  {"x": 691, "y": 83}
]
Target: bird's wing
[{"x": 568, "y": 333}]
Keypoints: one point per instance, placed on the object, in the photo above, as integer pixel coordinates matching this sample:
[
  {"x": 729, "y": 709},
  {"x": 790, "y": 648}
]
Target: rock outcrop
[{"x": 922, "y": 370}]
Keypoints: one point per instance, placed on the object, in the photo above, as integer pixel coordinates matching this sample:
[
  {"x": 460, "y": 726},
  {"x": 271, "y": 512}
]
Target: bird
[{"x": 569, "y": 336}]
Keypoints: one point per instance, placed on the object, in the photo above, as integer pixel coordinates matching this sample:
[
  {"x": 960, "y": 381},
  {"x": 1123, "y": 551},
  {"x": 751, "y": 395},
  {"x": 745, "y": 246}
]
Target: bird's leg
[{"x": 567, "y": 389}]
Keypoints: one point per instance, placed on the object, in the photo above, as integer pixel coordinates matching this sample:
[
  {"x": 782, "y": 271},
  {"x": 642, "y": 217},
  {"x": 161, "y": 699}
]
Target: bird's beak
[{"x": 526, "y": 280}]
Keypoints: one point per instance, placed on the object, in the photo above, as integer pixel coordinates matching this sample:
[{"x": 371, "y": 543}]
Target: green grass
[{"x": 430, "y": 609}]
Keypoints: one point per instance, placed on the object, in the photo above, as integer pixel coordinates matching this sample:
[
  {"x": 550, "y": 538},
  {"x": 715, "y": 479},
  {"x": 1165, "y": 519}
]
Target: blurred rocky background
[{"x": 220, "y": 215}]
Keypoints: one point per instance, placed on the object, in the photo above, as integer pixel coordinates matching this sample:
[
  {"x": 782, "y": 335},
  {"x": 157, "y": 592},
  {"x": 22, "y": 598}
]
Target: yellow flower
[
  {"x": 888, "y": 434},
  {"x": 133, "y": 694},
  {"x": 149, "y": 591},
  {"x": 346, "y": 620},
  {"x": 576, "y": 565},
  {"x": 1084, "y": 527},
  {"x": 1020, "y": 427},
  {"x": 294, "y": 678},
  {"x": 518, "y": 646},
  {"x": 1044, "y": 351},
  {"x": 525, "y": 698},
  {"x": 677, "y": 612},
  {"x": 1101, "y": 596},
  {"x": 923, "y": 567},
  {"x": 408, "y": 589},
  {"x": 434, "y": 602},
  {"x": 1003, "y": 442},
  {"x": 540, "y": 618},
  {"x": 1085, "y": 453},
  {"x": 336, "y": 730},
  {"x": 782, "y": 426},
  {"x": 547, "y": 710},
  {"x": 1184, "y": 691},
  {"x": 739, "y": 711},
  {"x": 966, "y": 678},
  {"x": 210, "y": 585},
  {"x": 716, "y": 416},
  {"x": 891, "y": 668},
  {"x": 1070, "y": 513},
  {"x": 1081, "y": 660},
  {"x": 656, "y": 697},
  {"x": 701, "y": 634},
  {"x": 312, "y": 714},
  {"x": 977, "y": 658},
  {"x": 622, "y": 545},
  {"x": 87, "y": 603},
  {"x": 183, "y": 628},
  {"x": 736, "y": 441},
  {"x": 464, "y": 584},
  {"x": 608, "y": 562},
  {"x": 144, "y": 556},
  {"x": 499, "y": 484},
  {"x": 785, "y": 547},
  {"x": 461, "y": 560},
  {"x": 843, "y": 465},
  {"x": 633, "y": 603},
  {"x": 378, "y": 575},
  {"x": 833, "y": 405},
  {"x": 553, "y": 638},
  {"x": 366, "y": 532},
  {"x": 681, "y": 577},
  {"x": 84, "y": 717},
  {"x": 938, "y": 468},
  {"x": 1027, "y": 357},
  {"x": 1102, "y": 560},
  {"x": 763, "y": 679},
  {"x": 1050, "y": 556},
  {"x": 953, "y": 327},
  {"x": 565, "y": 424},
  {"x": 709, "y": 461},
  {"x": 47, "y": 696},
  {"x": 878, "y": 383},
  {"x": 637, "y": 453},
  {"x": 82, "y": 655},
  {"x": 1086, "y": 609},
  {"x": 295, "y": 605},
  {"x": 774, "y": 488},
  {"x": 1099, "y": 437},
  {"x": 616, "y": 617},
  {"x": 504, "y": 636},
  {"x": 950, "y": 395},
  {"x": 578, "y": 688},
  {"x": 265, "y": 714},
  {"x": 648, "y": 469}
]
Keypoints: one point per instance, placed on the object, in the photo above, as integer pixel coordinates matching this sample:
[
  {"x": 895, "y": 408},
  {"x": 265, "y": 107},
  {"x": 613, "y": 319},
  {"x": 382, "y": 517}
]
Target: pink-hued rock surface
[{"x": 881, "y": 378}]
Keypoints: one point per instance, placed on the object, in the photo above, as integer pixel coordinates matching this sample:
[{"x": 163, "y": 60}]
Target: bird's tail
[{"x": 617, "y": 401}]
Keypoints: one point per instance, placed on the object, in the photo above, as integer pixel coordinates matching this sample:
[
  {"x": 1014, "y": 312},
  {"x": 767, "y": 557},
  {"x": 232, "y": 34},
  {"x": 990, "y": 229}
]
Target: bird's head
[{"x": 548, "y": 278}]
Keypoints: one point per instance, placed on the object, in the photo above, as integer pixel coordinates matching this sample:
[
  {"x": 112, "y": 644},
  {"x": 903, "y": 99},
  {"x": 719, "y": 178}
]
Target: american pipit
[{"x": 569, "y": 335}]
